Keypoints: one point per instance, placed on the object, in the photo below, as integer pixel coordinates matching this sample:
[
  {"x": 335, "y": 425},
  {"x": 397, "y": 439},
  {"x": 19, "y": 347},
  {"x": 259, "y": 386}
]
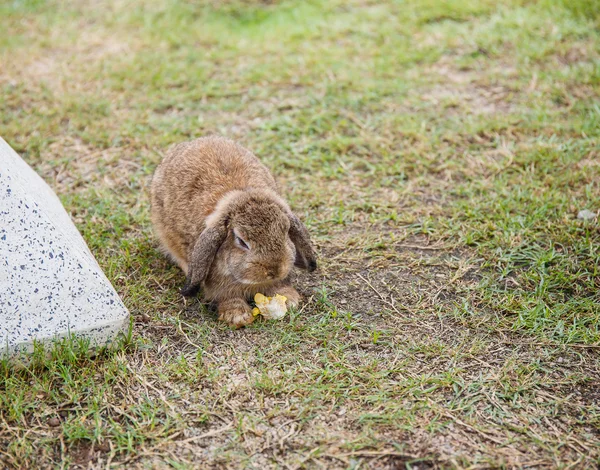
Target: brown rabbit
[{"x": 217, "y": 212}]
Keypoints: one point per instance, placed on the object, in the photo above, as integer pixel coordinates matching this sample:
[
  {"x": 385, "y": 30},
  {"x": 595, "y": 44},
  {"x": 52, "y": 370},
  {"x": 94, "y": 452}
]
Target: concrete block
[{"x": 50, "y": 283}]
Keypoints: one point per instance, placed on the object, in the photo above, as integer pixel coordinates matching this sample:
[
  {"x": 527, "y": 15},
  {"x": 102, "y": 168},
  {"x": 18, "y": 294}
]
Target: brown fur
[{"x": 206, "y": 193}]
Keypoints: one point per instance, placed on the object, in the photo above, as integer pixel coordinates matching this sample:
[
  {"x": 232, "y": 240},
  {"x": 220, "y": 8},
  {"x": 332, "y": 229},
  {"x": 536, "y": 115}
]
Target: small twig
[
  {"x": 309, "y": 300},
  {"x": 337, "y": 457},
  {"x": 583, "y": 446},
  {"x": 205, "y": 435},
  {"x": 179, "y": 322},
  {"x": 460, "y": 272},
  {"x": 425, "y": 247},
  {"x": 287, "y": 436},
  {"x": 148, "y": 384},
  {"x": 468, "y": 426},
  {"x": 375, "y": 453},
  {"x": 583, "y": 346},
  {"x": 549, "y": 344},
  {"x": 380, "y": 295}
]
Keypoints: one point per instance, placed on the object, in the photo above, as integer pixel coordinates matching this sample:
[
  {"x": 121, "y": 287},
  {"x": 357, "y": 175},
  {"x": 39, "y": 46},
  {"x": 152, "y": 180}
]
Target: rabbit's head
[{"x": 258, "y": 240}]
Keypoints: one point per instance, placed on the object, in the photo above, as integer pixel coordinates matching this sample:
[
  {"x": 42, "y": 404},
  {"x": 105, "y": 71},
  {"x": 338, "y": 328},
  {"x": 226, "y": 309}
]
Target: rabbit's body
[
  {"x": 217, "y": 212},
  {"x": 191, "y": 180}
]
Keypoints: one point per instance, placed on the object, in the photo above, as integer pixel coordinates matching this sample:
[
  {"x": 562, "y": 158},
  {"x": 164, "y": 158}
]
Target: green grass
[{"x": 439, "y": 152}]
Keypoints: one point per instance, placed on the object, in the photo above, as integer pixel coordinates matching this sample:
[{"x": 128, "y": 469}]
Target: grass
[{"x": 439, "y": 152}]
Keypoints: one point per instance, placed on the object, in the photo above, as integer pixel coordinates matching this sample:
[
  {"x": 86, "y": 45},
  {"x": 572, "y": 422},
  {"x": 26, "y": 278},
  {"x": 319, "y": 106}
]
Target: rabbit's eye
[{"x": 240, "y": 242}]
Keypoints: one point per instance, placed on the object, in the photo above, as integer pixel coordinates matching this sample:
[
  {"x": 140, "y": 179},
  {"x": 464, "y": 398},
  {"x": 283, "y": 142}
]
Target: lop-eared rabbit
[{"x": 217, "y": 212}]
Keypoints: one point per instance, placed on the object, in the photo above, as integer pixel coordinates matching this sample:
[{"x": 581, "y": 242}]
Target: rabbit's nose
[{"x": 272, "y": 273}]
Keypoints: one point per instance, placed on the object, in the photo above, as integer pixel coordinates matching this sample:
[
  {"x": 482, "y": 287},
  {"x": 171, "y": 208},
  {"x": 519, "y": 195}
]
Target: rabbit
[{"x": 218, "y": 214}]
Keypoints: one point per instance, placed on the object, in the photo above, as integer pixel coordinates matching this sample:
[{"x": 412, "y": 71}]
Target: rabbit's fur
[{"x": 217, "y": 212}]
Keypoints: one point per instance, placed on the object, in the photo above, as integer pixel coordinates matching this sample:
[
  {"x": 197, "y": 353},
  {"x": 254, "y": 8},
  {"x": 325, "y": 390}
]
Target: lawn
[{"x": 439, "y": 152}]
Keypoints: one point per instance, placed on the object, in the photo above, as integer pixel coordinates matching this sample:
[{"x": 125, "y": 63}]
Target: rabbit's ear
[
  {"x": 306, "y": 258},
  {"x": 202, "y": 257}
]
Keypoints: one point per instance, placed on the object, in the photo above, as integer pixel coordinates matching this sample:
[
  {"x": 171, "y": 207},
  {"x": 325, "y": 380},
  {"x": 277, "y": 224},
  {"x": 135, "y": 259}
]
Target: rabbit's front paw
[{"x": 235, "y": 312}]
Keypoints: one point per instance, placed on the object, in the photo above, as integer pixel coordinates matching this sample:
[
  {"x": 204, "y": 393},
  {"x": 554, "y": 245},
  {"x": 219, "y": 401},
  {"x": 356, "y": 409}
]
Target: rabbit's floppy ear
[
  {"x": 203, "y": 255},
  {"x": 306, "y": 258}
]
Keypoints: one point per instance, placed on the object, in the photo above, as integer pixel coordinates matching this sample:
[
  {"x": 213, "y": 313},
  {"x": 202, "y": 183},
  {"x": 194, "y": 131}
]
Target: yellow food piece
[
  {"x": 272, "y": 308},
  {"x": 261, "y": 299}
]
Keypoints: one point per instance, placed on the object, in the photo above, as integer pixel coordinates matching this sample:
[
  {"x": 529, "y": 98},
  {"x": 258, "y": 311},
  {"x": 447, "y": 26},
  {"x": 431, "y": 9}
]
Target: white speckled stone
[{"x": 50, "y": 283}]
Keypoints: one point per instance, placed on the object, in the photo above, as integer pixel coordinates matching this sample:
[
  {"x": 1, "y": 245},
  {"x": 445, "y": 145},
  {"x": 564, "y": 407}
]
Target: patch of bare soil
[
  {"x": 79, "y": 165},
  {"x": 461, "y": 90}
]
